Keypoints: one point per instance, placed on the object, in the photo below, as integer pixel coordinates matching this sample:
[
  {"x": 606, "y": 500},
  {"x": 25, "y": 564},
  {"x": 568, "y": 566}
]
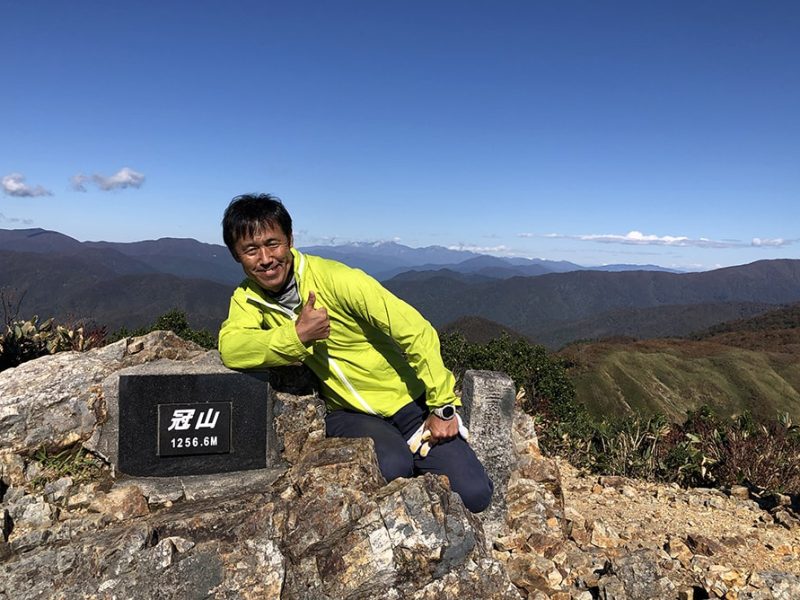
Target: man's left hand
[{"x": 441, "y": 430}]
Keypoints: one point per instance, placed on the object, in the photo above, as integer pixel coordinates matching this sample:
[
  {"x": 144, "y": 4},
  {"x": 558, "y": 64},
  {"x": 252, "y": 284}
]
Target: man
[{"x": 378, "y": 361}]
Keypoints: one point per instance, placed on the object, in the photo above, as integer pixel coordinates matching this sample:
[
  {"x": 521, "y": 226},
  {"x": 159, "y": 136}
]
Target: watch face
[{"x": 448, "y": 412}]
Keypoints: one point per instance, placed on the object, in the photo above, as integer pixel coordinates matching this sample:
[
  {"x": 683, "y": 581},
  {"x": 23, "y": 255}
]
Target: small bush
[
  {"x": 541, "y": 375},
  {"x": 25, "y": 340},
  {"x": 541, "y": 378},
  {"x": 703, "y": 451},
  {"x": 175, "y": 321}
]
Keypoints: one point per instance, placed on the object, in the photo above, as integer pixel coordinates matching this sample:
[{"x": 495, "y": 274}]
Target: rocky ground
[
  {"x": 725, "y": 539},
  {"x": 626, "y": 538},
  {"x": 327, "y": 526},
  {"x": 733, "y": 529}
]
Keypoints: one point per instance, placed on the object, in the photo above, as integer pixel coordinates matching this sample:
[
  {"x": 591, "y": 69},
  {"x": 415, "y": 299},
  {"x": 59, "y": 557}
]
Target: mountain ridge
[
  {"x": 550, "y": 308},
  {"x": 382, "y": 260}
]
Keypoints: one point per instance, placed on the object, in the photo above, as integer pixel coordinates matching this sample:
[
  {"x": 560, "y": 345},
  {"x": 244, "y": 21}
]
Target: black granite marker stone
[{"x": 192, "y": 424}]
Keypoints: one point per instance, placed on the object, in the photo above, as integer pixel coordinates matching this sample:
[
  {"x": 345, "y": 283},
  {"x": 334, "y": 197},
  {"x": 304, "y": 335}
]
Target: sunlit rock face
[{"x": 322, "y": 523}]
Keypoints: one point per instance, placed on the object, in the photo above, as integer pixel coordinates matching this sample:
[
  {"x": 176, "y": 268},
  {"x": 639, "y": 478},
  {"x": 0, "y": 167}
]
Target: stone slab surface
[
  {"x": 488, "y": 410},
  {"x": 193, "y": 395}
]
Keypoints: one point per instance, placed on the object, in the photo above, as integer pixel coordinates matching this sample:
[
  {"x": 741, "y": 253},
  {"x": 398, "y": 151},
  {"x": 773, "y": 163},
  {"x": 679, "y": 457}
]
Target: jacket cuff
[{"x": 455, "y": 401}]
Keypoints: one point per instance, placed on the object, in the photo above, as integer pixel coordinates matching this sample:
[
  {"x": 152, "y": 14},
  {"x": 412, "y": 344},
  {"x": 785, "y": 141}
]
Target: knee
[
  {"x": 396, "y": 464},
  {"x": 476, "y": 494}
]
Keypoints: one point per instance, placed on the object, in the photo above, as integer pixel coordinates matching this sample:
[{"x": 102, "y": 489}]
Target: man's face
[{"x": 266, "y": 258}]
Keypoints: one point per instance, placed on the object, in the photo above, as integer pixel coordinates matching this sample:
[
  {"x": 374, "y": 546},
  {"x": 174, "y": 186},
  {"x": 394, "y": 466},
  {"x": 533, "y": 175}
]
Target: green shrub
[
  {"x": 540, "y": 374},
  {"x": 175, "y": 321},
  {"x": 544, "y": 387},
  {"x": 705, "y": 450},
  {"x": 25, "y": 340}
]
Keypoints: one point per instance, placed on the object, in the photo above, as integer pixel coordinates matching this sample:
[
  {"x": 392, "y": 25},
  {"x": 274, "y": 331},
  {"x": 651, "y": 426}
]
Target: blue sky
[{"x": 595, "y": 132}]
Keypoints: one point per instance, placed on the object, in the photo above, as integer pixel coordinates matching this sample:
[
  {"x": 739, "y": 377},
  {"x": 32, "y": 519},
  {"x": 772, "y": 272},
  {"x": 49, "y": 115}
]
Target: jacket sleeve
[
  {"x": 415, "y": 336},
  {"x": 245, "y": 344}
]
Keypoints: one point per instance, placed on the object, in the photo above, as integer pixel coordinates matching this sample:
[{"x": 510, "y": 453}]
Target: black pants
[{"x": 453, "y": 458}]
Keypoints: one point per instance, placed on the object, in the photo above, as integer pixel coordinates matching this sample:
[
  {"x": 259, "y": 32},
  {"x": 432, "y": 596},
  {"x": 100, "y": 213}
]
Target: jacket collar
[{"x": 256, "y": 293}]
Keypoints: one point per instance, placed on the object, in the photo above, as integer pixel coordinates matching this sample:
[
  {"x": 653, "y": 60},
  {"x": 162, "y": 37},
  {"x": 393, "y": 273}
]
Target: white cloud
[
  {"x": 124, "y": 178},
  {"x": 14, "y": 185},
  {"x": 481, "y": 249},
  {"x": 640, "y": 239},
  {"x": 777, "y": 242},
  {"x": 79, "y": 181},
  {"x": 637, "y": 238},
  {"x": 5, "y": 219}
]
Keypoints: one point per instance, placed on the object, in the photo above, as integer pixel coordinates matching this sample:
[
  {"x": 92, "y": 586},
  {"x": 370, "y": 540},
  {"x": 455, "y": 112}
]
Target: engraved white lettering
[
  {"x": 207, "y": 419},
  {"x": 181, "y": 419}
]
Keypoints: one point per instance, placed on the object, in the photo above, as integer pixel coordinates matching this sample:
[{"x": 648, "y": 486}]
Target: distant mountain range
[
  {"x": 384, "y": 260},
  {"x": 556, "y": 308},
  {"x": 186, "y": 257},
  {"x": 550, "y": 302}
]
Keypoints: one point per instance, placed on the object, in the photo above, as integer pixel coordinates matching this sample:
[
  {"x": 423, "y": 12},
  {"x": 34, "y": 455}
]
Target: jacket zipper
[
  {"x": 350, "y": 387},
  {"x": 285, "y": 311}
]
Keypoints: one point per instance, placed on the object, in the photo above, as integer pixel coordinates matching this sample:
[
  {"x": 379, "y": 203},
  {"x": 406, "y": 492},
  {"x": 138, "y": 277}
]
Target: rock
[
  {"x": 488, "y": 400},
  {"x": 256, "y": 570},
  {"x": 534, "y": 573},
  {"x": 723, "y": 581},
  {"x": 57, "y": 401},
  {"x": 348, "y": 534},
  {"x": 300, "y": 424},
  {"x": 715, "y": 502},
  {"x": 733, "y": 541},
  {"x": 481, "y": 579},
  {"x": 781, "y": 586},
  {"x": 31, "y": 512},
  {"x": 786, "y": 518},
  {"x": 326, "y": 525},
  {"x": 161, "y": 491},
  {"x": 603, "y": 535},
  {"x": 678, "y": 550},
  {"x": 12, "y": 468},
  {"x": 740, "y": 491},
  {"x": 121, "y": 503},
  {"x": 613, "y": 481},
  {"x": 576, "y": 527},
  {"x": 83, "y": 497},
  {"x": 701, "y": 544},
  {"x": 58, "y": 490},
  {"x": 412, "y": 538},
  {"x": 640, "y": 575},
  {"x": 535, "y": 499}
]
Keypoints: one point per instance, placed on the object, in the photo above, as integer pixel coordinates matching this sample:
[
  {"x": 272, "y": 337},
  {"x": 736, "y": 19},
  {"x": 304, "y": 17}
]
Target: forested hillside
[{"x": 742, "y": 365}]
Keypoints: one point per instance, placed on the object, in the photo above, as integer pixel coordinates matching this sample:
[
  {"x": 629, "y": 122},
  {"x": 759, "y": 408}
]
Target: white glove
[{"x": 419, "y": 441}]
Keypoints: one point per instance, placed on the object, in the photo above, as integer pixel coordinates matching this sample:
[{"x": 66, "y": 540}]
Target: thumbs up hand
[{"x": 313, "y": 323}]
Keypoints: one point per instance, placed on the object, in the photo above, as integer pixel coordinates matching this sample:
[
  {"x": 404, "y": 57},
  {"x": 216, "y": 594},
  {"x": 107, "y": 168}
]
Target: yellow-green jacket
[{"x": 381, "y": 353}]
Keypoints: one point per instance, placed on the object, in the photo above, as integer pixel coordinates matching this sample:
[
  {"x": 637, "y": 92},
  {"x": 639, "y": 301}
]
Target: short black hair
[{"x": 248, "y": 213}]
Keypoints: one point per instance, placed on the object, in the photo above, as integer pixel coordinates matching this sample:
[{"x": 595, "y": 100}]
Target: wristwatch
[{"x": 446, "y": 412}]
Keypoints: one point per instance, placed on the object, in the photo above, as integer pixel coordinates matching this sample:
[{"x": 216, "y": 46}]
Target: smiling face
[{"x": 266, "y": 257}]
